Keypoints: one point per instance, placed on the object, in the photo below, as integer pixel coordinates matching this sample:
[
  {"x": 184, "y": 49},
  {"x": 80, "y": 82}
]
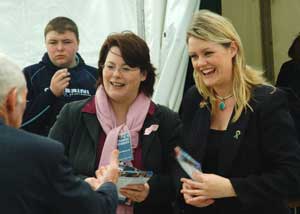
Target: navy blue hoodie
[{"x": 42, "y": 105}]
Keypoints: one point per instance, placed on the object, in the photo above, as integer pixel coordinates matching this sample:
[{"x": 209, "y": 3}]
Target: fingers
[
  {"x": 100, "y": 171},
  {"x": 177, "y": 150},
  {"x": 199, "y": 201},
  {"x": 93, "y": 182},
  {"x": 191, "y": 183},
  {"x": 114, "y": 158},
  {"x": 135, "y": 187},
  {"x": 194, "y": 192},
  {"x": 59, "y": 81},
  {"x": 197, "y": 176},
  {"x": 137, "y": 192},
  {"x": 187, "y": 196},
  {"x": 136, "y": 196},
  {"x": 110, "y": 173}
]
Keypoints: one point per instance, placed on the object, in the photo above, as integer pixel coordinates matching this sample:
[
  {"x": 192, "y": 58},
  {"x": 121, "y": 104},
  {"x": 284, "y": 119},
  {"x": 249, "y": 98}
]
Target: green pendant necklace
[{"x": 222, "y": 105}]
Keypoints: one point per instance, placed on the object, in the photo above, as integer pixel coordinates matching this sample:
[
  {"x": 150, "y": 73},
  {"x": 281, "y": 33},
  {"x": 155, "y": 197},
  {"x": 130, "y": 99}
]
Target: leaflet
[
  {"x": 131, "y": 175},
  {"x": 187, "y": 163}
]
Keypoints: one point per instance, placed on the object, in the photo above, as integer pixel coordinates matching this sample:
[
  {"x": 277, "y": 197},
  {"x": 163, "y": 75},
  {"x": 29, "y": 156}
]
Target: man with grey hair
[
  {"x": 12, "y": 92},
  {"x": 35, "y": 175}
]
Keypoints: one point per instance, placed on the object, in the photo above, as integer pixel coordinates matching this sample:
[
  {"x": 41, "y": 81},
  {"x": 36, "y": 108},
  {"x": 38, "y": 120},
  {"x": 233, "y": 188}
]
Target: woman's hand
[
  {"x": 197, "y": 201},
  {"x": 135, "y": 192},
  {"x": 208, "y": 186}
]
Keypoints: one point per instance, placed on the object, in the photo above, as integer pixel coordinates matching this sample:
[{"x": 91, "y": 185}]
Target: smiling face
[
  {"x": 121, "y": 82},
  {"x": 62, "y": 48},
  {"x": 213, "y": 62}
]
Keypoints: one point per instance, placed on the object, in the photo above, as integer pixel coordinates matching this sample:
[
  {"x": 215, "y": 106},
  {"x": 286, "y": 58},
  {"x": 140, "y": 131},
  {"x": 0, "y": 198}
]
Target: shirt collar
[{"x": 90, "y": 107}]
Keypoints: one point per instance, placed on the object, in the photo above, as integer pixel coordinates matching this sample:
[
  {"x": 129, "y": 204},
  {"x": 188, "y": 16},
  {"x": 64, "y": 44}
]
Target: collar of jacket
[
  {"x": 46, "y": 60},
  {"x": 94, "y": 128},
  {"x": 196, "y": 134}
]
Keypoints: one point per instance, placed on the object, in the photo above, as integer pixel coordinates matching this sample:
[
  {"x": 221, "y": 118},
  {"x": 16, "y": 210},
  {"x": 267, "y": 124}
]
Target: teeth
[
  {"x": 117, "y": 84},
  {"x": 207, "y": 71}
]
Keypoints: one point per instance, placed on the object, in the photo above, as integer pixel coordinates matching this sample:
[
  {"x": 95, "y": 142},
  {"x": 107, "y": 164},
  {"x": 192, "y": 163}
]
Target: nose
[
  {"x": 116, "y": 72},
  {"x": 200, "y": 62},
  {"x": 60, "y": 46}
]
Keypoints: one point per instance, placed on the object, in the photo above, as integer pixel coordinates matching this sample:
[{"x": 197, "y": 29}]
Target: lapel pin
[
  {"x": 237, "y": 134},
  {"x": 150, "y": 129},
  {"x": 202, "y": 104}
]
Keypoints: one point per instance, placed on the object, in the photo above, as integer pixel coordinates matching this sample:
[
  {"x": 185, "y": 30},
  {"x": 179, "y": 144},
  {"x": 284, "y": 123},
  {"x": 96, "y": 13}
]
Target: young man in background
[{"x": 59, "y": 78}]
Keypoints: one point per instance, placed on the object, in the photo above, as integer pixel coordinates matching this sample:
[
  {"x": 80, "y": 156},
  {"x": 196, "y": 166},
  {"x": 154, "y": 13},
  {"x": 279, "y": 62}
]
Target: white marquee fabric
[{"x": 162, "y": 23}]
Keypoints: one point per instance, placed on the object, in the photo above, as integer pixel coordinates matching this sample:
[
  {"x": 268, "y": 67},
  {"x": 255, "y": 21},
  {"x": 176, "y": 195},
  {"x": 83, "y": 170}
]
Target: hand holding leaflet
[
  {"x": 130, "y": 175},
  {"x": 188, "y": 164}
]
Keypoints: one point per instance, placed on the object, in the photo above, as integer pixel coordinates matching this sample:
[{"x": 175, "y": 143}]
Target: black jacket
[
  {"x": 288, "y": 80},
  {"x": 42, "y": 105},
  {"x": 37, "y": 178},
  {"x": 262, "y": 162},
  {"x": 79, "y": 132},
  {"x": 289, "y": 76}
]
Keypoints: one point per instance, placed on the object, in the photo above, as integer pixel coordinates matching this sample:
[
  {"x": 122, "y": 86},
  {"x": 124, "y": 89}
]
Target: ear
[
  {"x": 78, "y": 42},
  {"x": 233, "y": 48},
  {"x": 143, "y": 76},
  {"x": 11, "y": 101}
]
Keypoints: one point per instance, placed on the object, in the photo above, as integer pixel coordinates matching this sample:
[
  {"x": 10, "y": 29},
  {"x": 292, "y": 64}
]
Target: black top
[
  {"x": 259, "y": 153},
  {"x": 210, "y": 161}
]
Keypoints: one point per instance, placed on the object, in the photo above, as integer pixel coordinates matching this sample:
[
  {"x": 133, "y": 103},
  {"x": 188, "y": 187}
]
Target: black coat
[
  {"x": 42, "y": 105},
  {"x": 80, "y": 131},
  {"x": 262, "y": 162},
  {"x": 288, "y": 79},
  {"x": 289, "y": 76},
  {"x": 37, "y": 178}
]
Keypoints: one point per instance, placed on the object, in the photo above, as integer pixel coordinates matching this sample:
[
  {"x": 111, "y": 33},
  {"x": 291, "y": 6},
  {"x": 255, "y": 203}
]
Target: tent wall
[{"x": 245, "y": 15}]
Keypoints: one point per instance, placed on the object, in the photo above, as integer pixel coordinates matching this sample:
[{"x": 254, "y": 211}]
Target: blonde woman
[{"x": 237, "y": 126}]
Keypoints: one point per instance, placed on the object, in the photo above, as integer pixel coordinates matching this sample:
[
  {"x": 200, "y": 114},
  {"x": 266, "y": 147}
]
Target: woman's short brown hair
[{"x": 135, "y": 53}]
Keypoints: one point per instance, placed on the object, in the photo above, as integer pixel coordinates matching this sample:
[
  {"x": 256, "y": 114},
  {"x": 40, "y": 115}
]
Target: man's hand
[
  {"x": 60, "y": 81},
  {"x": 93, "y": 182},
  {"x": 110, "y": 173}
]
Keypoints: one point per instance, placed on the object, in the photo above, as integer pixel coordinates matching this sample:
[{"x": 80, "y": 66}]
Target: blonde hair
[{"x": 209, "y": 26}]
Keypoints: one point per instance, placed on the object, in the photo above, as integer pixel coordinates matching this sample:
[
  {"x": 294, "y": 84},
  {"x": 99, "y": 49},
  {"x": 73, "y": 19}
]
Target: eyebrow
[
  {"x": 124, "y": 64},
  {"x": 202, "y": 50}
]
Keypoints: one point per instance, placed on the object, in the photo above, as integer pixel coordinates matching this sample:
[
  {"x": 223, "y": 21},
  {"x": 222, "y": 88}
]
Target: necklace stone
[{"x": 222, "y": 100}]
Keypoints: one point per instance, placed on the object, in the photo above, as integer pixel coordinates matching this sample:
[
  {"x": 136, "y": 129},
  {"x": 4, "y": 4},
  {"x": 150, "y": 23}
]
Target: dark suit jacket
[
  {"x": 37, "y": 178},
  {"x": 259, "y": 153},
  {"x": 80, "y": 132},
  {"x": 289, "y": 76}
]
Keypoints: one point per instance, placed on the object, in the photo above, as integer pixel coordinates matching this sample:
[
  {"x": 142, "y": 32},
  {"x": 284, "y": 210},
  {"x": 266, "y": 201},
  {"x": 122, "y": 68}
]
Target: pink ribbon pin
[{"x": 150, "y": 129}]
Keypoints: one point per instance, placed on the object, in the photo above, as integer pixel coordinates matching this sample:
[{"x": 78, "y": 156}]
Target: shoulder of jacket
[
  {"x": 78, "y": 104},
  {"x": 265, "y": 91},
  {"x": 267, "y": 97},
  {"x": 164, "y": 111},
  {"x": 38, "y": 144},
  {"x": 33, "y": 68}
]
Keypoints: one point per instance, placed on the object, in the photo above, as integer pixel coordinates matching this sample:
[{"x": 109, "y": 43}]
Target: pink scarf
[{"x": 134, "y": 121}]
